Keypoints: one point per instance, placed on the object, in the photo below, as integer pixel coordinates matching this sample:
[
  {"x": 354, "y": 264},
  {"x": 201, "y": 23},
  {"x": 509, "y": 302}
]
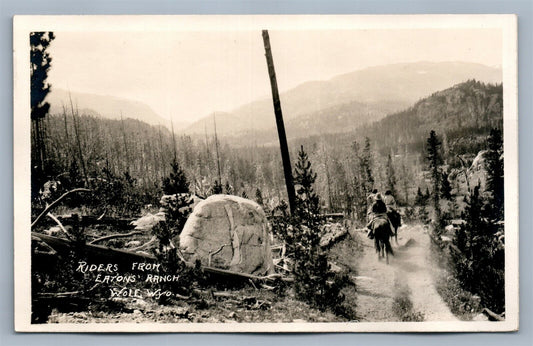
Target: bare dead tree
[{"x": 287, "y": 169}]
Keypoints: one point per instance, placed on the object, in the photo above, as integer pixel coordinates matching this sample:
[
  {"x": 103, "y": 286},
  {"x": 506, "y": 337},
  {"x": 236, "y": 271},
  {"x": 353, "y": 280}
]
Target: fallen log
[
  {"x": 104, "y": 254},
  {"x": 113, "y": 236},
  {"x": 91, "y": 220},
  {"x": 99, "y": 253}
]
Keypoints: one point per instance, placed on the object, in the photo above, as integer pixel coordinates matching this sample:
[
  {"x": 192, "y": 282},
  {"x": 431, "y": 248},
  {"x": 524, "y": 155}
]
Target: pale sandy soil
[{"x": 411, "y": 268}]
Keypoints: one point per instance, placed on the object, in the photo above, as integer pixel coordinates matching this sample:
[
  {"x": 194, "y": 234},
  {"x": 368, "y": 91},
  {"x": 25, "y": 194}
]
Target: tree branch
[
  {"x": 55, "y": 203},
  {"x": 52, "y": 216}
]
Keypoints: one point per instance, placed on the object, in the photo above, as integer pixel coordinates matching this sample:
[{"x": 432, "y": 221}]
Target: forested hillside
[
  {"x": 86, "y": 146},
  {"x": 465, "y": 113},
  {"x": 373, "y": 92}
]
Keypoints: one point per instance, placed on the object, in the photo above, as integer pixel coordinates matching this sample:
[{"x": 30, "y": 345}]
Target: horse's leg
[{"x": 396, "y": 235}]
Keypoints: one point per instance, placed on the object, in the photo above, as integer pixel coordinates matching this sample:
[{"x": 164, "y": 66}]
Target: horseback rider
[
  {"x": 392, "y": 213},
  {"x": 370, "y": 200},
  {"x": 378, "y": 211},
  {"x": 389, "y": 200}
]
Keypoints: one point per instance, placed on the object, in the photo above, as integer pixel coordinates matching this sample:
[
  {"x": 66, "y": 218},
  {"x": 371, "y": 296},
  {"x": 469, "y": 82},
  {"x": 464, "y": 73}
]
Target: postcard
[{"x": 265, "y": 173}]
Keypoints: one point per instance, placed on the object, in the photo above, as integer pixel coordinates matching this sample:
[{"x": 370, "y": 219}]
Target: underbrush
[
  {"x": 241, "y": 305},
  {"x": 462, "y": 304}
]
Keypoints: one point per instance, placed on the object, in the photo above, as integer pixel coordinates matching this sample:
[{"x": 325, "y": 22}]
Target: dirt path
[{"x": 404, "y": 289}]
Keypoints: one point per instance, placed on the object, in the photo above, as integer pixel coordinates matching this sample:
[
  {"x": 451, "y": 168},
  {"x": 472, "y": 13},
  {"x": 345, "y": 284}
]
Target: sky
[{"x": 188, "y": 75}]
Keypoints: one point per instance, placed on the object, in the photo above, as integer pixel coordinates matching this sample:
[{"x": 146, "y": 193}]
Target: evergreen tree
[
  {"x": 405, "y": 178},
  {"x": 359, "y": 197},
  {"x": 314, "y": 282},
  {"x": 228, "y": 189},
  {"x": 465, "y": 242},
  {"x": 259, "y": 197},
  {"x": 366, "y": 165},
  {"x": 420, "y": 198},
  {"x": 307, "y": 202},
  {"x": 391, "y": 176},
  {"x": 434, "y": 161},
  {"x": 40, "y": 63},
  {"x": 366, "y": 178},
  {"x": 479, "y": 263},
  {"x": 494, "y": 166},
  {"x": 177, "y": 181},
  {"x": 74, "y": 176},
  {"x": 445, "y": 187},
  {"x": 217, "y": 188}
]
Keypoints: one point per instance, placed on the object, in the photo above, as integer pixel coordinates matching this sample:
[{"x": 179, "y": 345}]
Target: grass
[
  {"x": 402, "y": 306},
  {"x": 462, "y": 304}
]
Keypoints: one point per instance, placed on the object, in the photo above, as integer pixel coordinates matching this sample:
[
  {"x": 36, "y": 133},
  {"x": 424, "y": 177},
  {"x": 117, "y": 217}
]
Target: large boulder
[{"x": 228, "y": 232}]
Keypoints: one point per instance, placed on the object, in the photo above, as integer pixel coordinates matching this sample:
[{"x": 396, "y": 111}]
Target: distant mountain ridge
[
  {"x": 109, "y": 107},
  {"x": 465, "y": 113},
  {"x": 361, "y": 96}
]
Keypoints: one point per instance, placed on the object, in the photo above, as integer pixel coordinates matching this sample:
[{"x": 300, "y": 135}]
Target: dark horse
[
  {"x": 395, "y": 221},
  {"x": 382, "y": 231}
]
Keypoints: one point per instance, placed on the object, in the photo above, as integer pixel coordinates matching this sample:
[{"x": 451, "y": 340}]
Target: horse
[
  {"x": 382, "y": 232},
  {"x": 395, "y": 221}
]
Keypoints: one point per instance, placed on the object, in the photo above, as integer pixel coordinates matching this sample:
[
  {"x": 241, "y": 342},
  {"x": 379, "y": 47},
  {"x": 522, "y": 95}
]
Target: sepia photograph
[{"x": 266, "y": 173}]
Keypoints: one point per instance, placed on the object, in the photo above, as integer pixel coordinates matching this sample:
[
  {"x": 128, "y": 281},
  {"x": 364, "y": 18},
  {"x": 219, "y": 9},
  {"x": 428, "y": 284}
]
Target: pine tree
[
  {"x": 391, "y": 176},
  {"x": 366, "y": 165},
  {"x": 307, "y": 202},
  {"x": 434, "y": 161},
  {"x": 311, "y": 269},
  {"x": 466, "y": 240},
  {"x": 479, "y": 265},
  {"x": 359, "y": 196},
  {"x": 495, "y": 179},
  {"x": 366, "y": 178},
  {"x": 177, "y": 181},
  {"x": 74, "y": 176},
  {"x": 405, "y": 178},
  {"x": 420, "y": 198},
  {"x": 228, "y": 189},
  {"x": 445, "y": 187},
  {"x": 40, "y": 63},
  {"x": 259, "y": 197},
  {"x": 217, "y": 188}
]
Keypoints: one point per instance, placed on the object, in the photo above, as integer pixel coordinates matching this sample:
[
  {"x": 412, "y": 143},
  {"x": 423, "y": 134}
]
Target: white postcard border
[{"x": 23, "y": 25}]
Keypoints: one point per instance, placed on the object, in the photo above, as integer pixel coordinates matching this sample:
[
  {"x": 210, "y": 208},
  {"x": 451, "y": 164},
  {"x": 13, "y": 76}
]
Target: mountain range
[
  {"x": 347, "y": 101},
  {"x": 340, "y": 104},
  {"x": 105, "y": 106}
]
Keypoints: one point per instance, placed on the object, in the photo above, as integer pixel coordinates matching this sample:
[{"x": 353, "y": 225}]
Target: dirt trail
[{"x": 410, "y": 273}]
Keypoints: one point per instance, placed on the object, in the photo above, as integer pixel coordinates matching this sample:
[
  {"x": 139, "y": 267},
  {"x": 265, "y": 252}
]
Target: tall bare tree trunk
[
  {"x": 216, "y": 147},
  {"x": 287, "y": 169},
  {"x": 78, "y": 142}
]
